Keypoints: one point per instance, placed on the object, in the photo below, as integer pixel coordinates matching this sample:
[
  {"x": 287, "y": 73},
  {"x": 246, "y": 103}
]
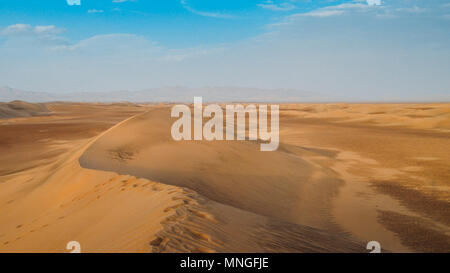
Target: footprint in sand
[
  {"x": 156, "y": 188},
  {"x": 185, "y": 200},
  {"x": 158, "y": 244},
  {"x": 173, "y": 207},
  {"x": 204, "y": 215},
  {"x": 199, "y": 235}
]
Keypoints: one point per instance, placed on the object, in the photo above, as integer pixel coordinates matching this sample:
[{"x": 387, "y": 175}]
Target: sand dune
[
  {"x": 52, "y": 204},
  {"x": 301, "y": 183},
  {"x": 434, "y": 116},
  {"x": 22, "y": 109},
  {"x": 234, "y": 173},
  {"x": 112, "y": 178}
]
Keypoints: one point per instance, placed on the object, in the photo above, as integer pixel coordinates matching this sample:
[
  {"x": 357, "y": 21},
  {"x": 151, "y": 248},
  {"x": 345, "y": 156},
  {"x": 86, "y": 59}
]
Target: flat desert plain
[{"x": 111, "y": 177}]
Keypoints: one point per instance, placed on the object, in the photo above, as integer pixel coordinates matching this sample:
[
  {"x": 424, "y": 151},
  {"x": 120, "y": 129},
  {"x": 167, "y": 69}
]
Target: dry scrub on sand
[{"x": 343, "y": 175}]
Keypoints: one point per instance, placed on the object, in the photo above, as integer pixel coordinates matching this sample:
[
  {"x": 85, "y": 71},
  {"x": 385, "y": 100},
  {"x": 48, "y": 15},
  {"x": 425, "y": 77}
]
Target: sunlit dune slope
[
  {"x": 435, "y": 116},
  {"x": 48, "y": 206},
  {"x": 57, "y": 201},
  {"x": 277, "y": 184}
]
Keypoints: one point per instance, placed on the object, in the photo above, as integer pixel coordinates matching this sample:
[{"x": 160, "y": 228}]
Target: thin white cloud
[
  {"x": 374, "y": 2},
  {"x": 336, "y": 10},
  {"x": 349, "y": 6},
  {"x": 25, "y": 29},
  {"x": 16, "y": 29},
  {"x": 95, "y": 11},
  {"x": 74, "y": 2},
  {"x": 130, "y": 45},
  {"x": 204, "y": 13},
  {"x": 321, "y": 13},
  {"x": 276, "y": 7},
  {"x": 414, "y": 9},
  {"x": 110, "y": 42}
]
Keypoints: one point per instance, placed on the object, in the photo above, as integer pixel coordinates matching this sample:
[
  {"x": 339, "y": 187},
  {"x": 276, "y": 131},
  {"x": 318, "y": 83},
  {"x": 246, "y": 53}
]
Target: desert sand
[
  {"x": 111, "y": 177},
  {"x": 17, "y": 108}
]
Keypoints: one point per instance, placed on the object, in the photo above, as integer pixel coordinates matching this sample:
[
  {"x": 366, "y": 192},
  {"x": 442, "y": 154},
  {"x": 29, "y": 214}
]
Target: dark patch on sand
[{"x": 416, "y": 233}]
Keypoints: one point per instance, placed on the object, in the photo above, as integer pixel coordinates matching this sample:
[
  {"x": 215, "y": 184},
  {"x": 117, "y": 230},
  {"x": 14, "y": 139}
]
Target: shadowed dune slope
[
  {"x": 22, "y": 109},
  {"x": 45, "y": 207},
  {"x": 280, "y": 184},
  {"x": 376, "y": 172},
  {"x": 245, "y": 200}
]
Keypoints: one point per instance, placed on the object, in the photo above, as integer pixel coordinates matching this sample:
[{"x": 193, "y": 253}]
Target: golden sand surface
[{"x": 111, "y": 177}]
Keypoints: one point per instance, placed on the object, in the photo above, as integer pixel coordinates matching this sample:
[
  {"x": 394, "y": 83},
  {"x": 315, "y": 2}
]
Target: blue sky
[
  {"x": 366, "y": 49},
  {"x": 174, "y": 23}
]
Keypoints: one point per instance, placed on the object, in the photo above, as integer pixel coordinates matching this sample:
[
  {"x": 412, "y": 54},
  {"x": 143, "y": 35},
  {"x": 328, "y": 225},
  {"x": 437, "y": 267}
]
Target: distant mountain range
[
  {"x": 169, "y": 94},
  {"x": 209, "y": 94}
]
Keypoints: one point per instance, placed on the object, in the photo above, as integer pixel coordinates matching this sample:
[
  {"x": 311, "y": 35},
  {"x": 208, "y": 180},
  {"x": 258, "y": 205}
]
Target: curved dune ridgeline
[
  {"x": 246, "y": 194},
  {"x": 111, "y": 177},
  {"x": 56, "y": 201},
  {"x": 234, "y": 173},
  {"x": 323, "y": 186}
]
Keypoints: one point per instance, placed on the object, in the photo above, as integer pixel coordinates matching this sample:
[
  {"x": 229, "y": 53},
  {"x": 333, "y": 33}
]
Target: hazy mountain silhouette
[{"x": 169, "y": 94}]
